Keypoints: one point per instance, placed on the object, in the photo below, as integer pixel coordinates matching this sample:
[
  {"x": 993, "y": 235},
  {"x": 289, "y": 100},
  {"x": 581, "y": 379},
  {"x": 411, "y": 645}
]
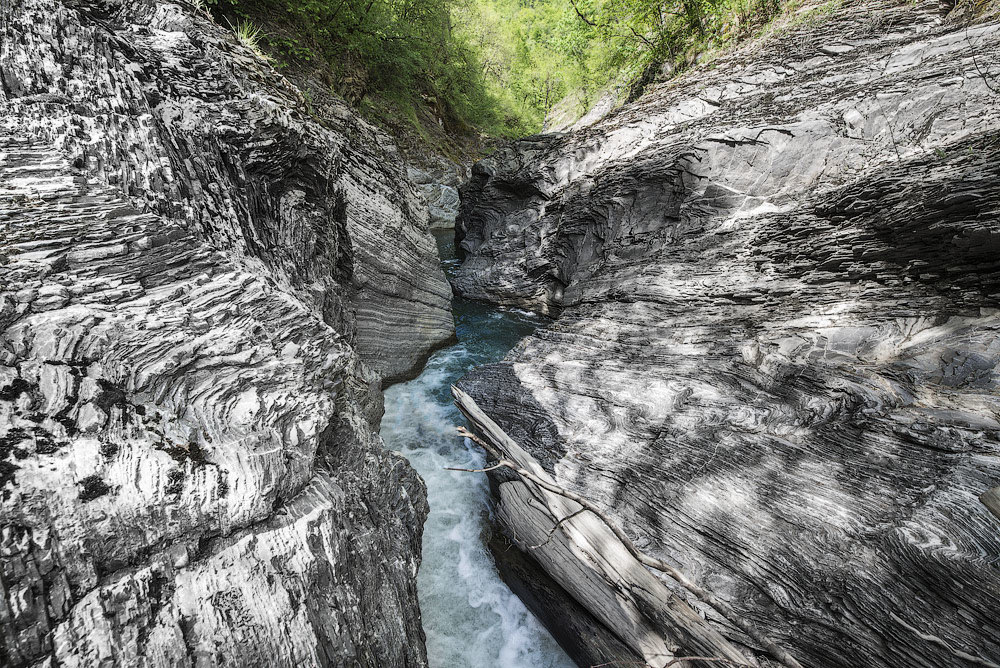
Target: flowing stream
[{"x": 471, "y": 618}]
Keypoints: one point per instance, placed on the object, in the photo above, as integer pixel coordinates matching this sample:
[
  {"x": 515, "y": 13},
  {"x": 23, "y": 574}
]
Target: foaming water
[{"x": 470, "y": 616}]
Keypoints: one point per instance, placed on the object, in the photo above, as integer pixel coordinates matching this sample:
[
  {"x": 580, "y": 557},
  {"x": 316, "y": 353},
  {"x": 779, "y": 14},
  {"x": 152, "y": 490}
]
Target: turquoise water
[{"x": 471, "y": 618}]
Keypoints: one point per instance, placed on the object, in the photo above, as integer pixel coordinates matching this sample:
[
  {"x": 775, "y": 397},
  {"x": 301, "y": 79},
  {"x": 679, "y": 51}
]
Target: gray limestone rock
[
  {"x": 202, "y": 288},
  {"x": 437, "y": 179},
  {"x": 776, "y": 359}
]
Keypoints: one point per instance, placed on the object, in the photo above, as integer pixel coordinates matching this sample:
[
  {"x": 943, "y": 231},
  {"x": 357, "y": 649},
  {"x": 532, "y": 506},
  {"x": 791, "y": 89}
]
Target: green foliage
[
  {"x": 497, "y": 66},
  {"x": 249, "y": 35},
  {"x": 532, "y": 54},
  {"x": 536, "y": 52},
  {"x": 402, "y": 52}
]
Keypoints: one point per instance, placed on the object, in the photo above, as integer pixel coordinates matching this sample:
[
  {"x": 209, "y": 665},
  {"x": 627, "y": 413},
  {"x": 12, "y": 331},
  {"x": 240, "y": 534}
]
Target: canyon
[{"x": 753, "y": 317}]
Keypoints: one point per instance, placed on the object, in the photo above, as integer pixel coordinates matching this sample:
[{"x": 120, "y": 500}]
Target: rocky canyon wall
[
  {"x": 775, "y": 361},
  {"x": 204, "y": 281}
]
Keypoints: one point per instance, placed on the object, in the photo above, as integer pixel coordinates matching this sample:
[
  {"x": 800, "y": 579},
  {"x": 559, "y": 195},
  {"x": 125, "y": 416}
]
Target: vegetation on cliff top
[
  {"x": 497, "y": 67},
  {"x": 492, "y": 66}
]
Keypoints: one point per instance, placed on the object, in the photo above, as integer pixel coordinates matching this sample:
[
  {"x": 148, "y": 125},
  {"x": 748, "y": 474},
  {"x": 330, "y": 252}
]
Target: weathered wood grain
[{"x": 590, "y": 562}]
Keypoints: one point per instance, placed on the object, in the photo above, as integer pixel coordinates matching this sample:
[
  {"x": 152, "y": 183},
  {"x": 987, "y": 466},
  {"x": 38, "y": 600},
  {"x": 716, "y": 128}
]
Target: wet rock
[
  {"x": 203, "y": 288},
  {"x": 775, "y": 364}
]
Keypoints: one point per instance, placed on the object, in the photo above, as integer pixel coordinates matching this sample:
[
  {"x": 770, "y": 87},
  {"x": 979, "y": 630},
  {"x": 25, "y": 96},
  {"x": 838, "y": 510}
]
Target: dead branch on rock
[
  {"x": 485, "y": 470},
  {"x": 975, "y": 61},
  {"x": 888, "y": 124},
  {"x": 720, "y": 606},
  {"x": 982, "y": 75},
  {"x": 555, "y": 526}
]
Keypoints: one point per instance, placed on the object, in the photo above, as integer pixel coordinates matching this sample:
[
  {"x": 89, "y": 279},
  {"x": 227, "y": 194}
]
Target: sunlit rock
[{"x": 202, "y": 288}]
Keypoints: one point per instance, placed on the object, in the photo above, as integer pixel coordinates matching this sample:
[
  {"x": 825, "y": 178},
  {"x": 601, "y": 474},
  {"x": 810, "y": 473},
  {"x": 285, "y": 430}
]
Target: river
[{"x": 471, "y": 618}]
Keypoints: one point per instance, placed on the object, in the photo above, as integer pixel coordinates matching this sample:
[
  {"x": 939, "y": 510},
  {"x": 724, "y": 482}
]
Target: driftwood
[
  {"x": 593, "y": 565},
  {"x": 723, "y": 608}
]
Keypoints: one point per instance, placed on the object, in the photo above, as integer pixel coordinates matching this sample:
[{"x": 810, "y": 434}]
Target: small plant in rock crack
[
  {"x": 307, "y": 96},
  {"x": 249, "y": 36},
  {"x": 200, "y": 6}
]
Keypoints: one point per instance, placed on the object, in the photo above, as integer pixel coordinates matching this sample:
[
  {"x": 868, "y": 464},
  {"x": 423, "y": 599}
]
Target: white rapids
[{"x": 470, "y": 616}]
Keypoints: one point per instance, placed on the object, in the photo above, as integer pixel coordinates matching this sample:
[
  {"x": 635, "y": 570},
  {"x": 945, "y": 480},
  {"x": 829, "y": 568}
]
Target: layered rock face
[
  {"x": 775, "y": 362},
  {"x": 203, "y": 288},
  {"x": 437, "y": 179}
]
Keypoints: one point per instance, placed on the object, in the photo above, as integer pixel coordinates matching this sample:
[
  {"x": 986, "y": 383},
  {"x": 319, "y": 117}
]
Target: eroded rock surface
[
  {"x": 776, "y": 358},
  {"x": 202, "y": 290},
  {"x": 437, "y": 179}
]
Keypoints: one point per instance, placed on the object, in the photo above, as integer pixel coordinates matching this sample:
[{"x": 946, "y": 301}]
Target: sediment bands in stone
[
  {"x": 203, "y": 288},
  {"x": 775, "y": 362}
]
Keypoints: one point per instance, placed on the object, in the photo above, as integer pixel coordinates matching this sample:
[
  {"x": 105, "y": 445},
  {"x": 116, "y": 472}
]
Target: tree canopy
[{"x": 496, "y": 66}]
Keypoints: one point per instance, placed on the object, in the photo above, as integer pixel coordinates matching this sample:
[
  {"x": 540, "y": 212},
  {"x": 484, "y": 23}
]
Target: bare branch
[
  {"x": 555, "y": 526},
  {"x": 490, "y": 450},
  {"x": 642, "y": 37},
  {"x": 888, "y": 124},
  {"x": 485, "y": 470},
  {"x": 583, "y": 17},
  {"x": 983, "y": 76},
  {"x": 975, "y": 61}
]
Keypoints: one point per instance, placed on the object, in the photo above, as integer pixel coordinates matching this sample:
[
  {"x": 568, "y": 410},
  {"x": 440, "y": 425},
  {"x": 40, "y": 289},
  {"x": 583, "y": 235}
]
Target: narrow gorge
[
  {"x": 728, "y": 352},
  {"x": 471, "y": 618}
]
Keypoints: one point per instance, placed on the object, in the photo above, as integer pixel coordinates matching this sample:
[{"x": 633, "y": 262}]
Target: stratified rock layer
[
  {"x": 775, "y": 364},
  {"x": 437, "y": 179},
  {"x": 202, "y": 290}
]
